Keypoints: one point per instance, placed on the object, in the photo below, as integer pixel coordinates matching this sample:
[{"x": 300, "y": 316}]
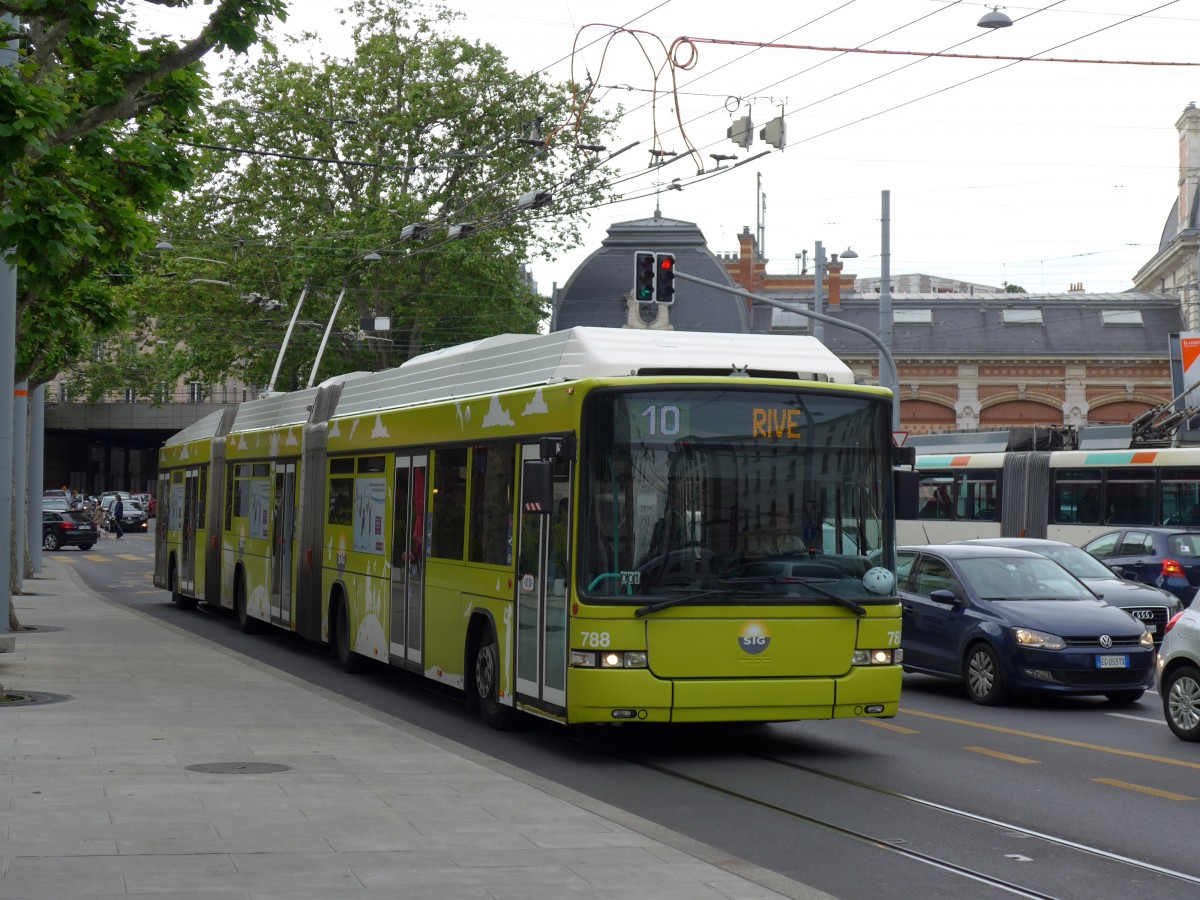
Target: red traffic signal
[{"x": 664, "y": 288}]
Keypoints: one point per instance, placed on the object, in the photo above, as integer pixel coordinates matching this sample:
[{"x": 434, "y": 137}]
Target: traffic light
[
  {"x": 643, "y": 277},
  {"x": 664, "y": 288},
  {"x": 741, "y": 132},
  {"x": 775, "y": 133}
]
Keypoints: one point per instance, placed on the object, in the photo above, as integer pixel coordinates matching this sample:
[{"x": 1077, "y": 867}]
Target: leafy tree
[
  {"x": 91, "y": 123},
  {"x": 310, "y": 162},
  {"x": 1014, "y": 289}
]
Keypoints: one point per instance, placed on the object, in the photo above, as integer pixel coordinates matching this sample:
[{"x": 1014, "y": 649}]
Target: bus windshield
[{"x": 774, "y": 495}]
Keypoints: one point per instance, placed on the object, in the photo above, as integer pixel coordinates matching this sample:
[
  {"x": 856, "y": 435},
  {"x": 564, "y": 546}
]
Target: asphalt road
[{"x": 1042, "y": 798}]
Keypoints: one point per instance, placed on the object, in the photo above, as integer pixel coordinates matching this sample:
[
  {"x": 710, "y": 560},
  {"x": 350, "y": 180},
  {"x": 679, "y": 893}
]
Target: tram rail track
[{"x": 1149, "y": 877}]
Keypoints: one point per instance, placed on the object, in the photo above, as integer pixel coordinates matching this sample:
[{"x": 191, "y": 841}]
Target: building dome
[{"x": 596, "y": 293}]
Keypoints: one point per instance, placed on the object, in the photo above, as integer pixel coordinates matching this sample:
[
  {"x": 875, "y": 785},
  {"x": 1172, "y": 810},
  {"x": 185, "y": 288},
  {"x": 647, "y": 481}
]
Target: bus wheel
[
  {"x": 486, "y": 684},
  {"x": 342, "y": 651},
  {"x": 246, "y": 622},
  {"x": 176, "y": 596}
]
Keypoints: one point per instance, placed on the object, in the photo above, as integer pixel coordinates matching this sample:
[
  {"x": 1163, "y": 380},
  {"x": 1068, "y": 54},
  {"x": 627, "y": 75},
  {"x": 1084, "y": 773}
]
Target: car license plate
[
  {"x": 1112, "y": 662},
  {"x": 1152, "y": 629}
]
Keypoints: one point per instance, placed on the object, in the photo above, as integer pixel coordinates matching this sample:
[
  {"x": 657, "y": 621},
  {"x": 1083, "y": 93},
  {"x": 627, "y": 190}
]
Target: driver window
[{"x": 934, "y": 575}]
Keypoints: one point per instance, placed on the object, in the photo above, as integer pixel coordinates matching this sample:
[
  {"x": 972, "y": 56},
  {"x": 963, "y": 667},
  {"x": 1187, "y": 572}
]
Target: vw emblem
[{"x": 1105, "y": 641}]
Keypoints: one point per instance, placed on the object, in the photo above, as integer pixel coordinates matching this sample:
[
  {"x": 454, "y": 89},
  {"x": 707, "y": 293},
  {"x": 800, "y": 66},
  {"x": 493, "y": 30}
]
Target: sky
[{"x": 1005, "y": 168}]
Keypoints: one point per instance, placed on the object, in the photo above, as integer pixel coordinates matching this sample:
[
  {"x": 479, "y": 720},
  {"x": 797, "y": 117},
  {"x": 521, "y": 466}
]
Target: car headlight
[
  {"x": 1146, "y": 641},
  {"x": 1043, "y": 640}
]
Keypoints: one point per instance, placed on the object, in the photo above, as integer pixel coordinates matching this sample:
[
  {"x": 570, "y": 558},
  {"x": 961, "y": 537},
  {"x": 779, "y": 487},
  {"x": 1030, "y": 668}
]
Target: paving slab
[{"x": 97, "y": 800}]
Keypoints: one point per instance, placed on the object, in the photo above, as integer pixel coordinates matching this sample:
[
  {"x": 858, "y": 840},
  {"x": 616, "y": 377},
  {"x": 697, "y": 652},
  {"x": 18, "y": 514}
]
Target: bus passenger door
[
  {"x": 283, "y": 538},
  {"x": 408, "y": 562},
  {"x": 189, "y": 524},
  {"x": 162, "y": 492},
  {"x": 542, "y": 591}
]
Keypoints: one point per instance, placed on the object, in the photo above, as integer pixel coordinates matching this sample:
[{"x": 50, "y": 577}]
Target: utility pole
[
  {"x": 818, "y": 292},
  {"x": 8, "y": 362}
]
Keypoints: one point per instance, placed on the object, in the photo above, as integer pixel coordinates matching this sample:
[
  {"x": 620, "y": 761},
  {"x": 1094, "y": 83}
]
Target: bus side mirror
[
  {"x": 537, "y": 486},
  {"x": 906, "y": 489}
]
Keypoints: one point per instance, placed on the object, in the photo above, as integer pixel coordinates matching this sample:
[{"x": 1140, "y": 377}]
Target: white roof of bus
[{"x": 511, "y": 361}]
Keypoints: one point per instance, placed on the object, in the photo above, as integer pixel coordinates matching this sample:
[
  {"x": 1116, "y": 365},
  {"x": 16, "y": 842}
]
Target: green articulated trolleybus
[{"x": 592, "y": 526}]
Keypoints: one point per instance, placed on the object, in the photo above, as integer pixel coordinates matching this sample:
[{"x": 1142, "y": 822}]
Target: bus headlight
[
  {"x": 608, "y": 659},
  {"x": 878, "y": 657}
]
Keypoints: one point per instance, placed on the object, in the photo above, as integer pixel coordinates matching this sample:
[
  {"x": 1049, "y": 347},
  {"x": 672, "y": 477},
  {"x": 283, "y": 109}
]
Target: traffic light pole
[{"x": 884, "y": 351}]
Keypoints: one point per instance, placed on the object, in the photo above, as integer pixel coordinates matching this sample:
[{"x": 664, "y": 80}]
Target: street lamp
[{"x": 994, "y": 19}]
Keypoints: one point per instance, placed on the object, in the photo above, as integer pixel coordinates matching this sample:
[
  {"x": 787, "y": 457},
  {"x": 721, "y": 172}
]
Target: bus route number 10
[{"x": 662, "y": 420}]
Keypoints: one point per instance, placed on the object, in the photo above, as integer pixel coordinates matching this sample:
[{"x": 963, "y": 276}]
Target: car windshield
[
  {"x": 1021, "y": 578},
  {"x": 1078, "y": 562}
]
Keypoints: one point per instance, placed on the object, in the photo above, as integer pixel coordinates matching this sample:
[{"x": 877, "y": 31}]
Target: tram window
[
  {"x": 1077, "y": 496},
  {"x": 1131, "y": 497},
  {"x": 936, "y": 497},
  {"x": 449, "y": 503},
  {"x": 341, "y": 501},
  {"x": 1181, "y": 496},
  {"x": 370, "y": 464},
  {"x": 977, "y": 495},
  {"x": 493, "y": 471},
  {"x": 229, "y": 498},
  {"x": 202, "y": 499}
]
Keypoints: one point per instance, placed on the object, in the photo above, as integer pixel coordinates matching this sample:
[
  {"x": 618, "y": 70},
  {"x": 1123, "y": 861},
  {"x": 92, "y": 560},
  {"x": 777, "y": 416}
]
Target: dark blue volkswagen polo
[{"x": 1006, "y": 621}]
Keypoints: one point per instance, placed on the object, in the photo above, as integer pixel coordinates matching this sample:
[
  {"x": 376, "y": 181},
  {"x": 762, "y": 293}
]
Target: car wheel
[
  {"x": 1124, "y": 696},
  {"x": 50, "y": 541},
  {"x": 1181, "y": 702},
  {"x": 982, "y": 676},
  {"x": 486, "y": 683}
]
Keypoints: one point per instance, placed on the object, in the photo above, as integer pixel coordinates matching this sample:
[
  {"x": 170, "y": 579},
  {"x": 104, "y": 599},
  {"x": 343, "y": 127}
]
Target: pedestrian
[
  {"x": 118, "y": 510},
  {"x": 97, "y": 514}
]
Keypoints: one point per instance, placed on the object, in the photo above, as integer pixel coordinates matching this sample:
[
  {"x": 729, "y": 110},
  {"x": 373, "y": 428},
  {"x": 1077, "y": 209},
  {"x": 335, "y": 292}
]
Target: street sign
[{"x": 899, "y": 437}]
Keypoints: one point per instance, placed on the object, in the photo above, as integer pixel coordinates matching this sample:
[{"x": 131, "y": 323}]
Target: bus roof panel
[{"x": 512, "y": 361}]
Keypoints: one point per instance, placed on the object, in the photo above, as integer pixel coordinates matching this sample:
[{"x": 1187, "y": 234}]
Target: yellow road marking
[
  {"x": 130, "y": 557},
  {"x": 1166, "y": 795},
  {"x": 1100, "y": 748},
  {"x": 96, "y": 557},
  {"x": 889, "y": 726},
  {"x": 998, "y": 755}
]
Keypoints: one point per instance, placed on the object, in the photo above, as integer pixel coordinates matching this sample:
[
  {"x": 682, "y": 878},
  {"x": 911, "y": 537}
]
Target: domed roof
[{"x": 596, "y": 292}]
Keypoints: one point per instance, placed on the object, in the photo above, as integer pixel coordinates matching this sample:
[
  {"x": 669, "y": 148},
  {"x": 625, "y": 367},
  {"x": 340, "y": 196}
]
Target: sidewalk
[{"x": 96, "y": 798}]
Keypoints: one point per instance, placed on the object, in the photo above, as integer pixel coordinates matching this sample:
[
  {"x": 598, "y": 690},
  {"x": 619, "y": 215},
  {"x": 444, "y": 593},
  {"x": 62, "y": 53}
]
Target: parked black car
[
  {"x": 1168, "y": 558},
  {"x": 67, "y": 528}
]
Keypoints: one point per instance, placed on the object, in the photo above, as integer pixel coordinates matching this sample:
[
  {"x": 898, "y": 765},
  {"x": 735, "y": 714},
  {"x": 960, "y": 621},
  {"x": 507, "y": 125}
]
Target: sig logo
[{"x": 754, "y": 637}]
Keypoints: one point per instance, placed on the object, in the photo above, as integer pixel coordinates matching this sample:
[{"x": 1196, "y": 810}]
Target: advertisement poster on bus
[
  {"x": 260, "y": 507},
  {"x": 370, "y": 498}
]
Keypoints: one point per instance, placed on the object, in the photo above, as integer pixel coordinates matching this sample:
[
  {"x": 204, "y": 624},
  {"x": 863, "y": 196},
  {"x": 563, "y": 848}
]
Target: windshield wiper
[
  {"x": 811, "y": 584},
  {"x": 674, "y": 601}
]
